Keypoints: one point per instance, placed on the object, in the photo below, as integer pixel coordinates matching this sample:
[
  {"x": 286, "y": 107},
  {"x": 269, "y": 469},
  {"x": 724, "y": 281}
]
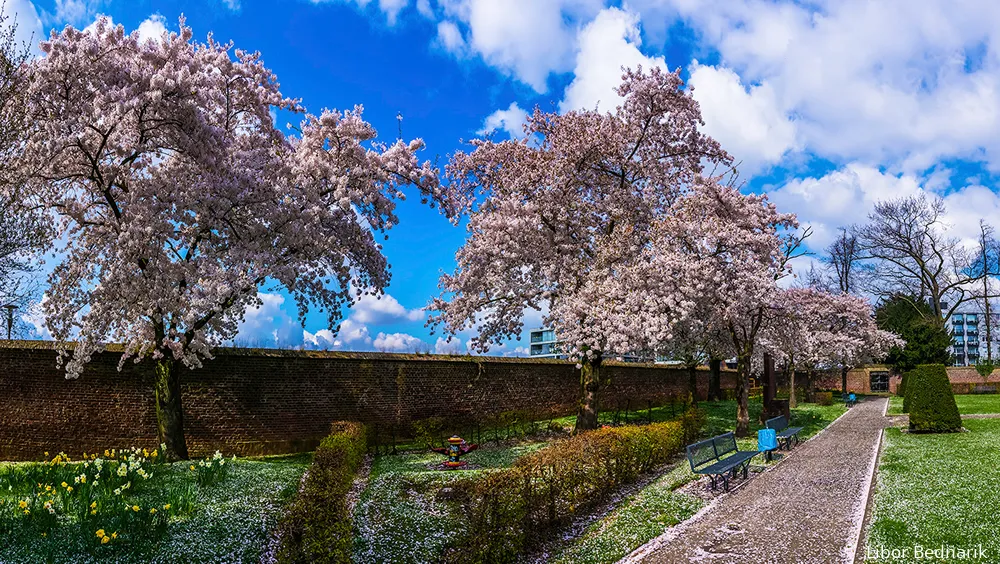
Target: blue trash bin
[{"x": 767, "y": 441}]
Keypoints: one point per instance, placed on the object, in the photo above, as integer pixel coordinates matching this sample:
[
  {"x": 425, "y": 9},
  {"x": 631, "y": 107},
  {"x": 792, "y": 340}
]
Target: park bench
[
  {"x": 785, "y": 433},
  {"x": 709, "y": 457},
  {"x": 850, "y": 400}
]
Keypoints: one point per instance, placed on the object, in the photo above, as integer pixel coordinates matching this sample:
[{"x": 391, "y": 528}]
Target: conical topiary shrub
[{"x": 932, "y": 405}]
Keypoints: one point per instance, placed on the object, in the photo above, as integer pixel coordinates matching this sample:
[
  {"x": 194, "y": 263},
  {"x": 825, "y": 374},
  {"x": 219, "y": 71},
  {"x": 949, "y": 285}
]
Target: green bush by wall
[
  {"x": 932, "y": 405},
  {"x": 317, "y": 527},
  {"x": 507, "y": 509},
  {"x": 901, "y": 388}
]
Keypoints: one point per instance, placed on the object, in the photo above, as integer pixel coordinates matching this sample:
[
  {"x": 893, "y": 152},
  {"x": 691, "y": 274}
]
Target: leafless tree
[
  {"x": 844, "y": 259},
  {"x": 986, "y": 263},
  {"x": 905, "y": 239}
]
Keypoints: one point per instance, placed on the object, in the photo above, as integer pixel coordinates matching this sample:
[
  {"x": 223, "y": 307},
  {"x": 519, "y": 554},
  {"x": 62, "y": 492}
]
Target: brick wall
[
  {"x": 962, "y": 379},
  {"x": 267, "y": 401},
  {"x": 858, "y": 379}
]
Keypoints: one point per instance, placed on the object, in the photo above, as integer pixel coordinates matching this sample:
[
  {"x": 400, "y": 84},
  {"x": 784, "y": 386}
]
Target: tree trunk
[
  {"x": 590, "y": 384},
  {"x": 988, "y": 318},
  {"x": 169, "y": 413},
  {"x": 791, "y": 388},
  {"x": 693, "y": 384},
  {"x": 742, "y": 398},
  {"x": 843, "y": 380},
  {"x": 715, "y": 379}
]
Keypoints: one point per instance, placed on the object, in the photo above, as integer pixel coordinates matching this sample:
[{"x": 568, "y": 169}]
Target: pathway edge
[{"x": 867, "y": 499}]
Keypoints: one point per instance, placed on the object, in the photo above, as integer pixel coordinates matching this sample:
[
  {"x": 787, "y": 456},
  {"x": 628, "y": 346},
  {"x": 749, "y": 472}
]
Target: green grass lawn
[
  {"x": 402, "y": 515},
  {"x": 229, "y": 521},
  {"x": 936, "y": 490},
  {"x": 638, "y": 519},
  {"x": 968, "y": 404}
]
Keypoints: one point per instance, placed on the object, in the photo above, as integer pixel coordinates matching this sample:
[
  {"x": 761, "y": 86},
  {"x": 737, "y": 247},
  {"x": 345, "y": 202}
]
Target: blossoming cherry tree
[
  {"x": 562, "y": 218},
  {"x": 178, "y": 199}
]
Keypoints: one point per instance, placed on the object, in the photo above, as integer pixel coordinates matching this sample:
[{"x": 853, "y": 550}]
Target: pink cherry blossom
[
  {"x": 813, "y": 329},
  {"x": 563, "y": 217},
  {"x": 178, "y": 199}
]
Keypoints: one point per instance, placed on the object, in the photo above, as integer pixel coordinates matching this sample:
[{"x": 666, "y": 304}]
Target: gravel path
[{"x": 807, "y": 508}]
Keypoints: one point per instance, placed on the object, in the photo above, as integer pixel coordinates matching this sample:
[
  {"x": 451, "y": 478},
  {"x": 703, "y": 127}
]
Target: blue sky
[{"x": 830, "y": 106}]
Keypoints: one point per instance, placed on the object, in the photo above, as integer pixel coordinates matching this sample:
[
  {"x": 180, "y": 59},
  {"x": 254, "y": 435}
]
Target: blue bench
[
  {"x": 784, "y": 433},
  {"x": 708, "y": 457}
]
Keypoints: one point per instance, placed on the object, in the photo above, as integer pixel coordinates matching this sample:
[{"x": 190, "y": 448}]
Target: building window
[{"x": 879, "y": 381}]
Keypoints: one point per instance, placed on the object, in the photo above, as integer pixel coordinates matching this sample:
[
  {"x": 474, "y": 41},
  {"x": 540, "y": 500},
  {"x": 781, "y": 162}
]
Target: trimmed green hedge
[
  {"x": 932, "y": 405},
  {"x": 911, "y": 381},
  {"x": 901, "y": 389},
  {"x": 317, "y": 527},
  {"x": 507, "y": 510}
]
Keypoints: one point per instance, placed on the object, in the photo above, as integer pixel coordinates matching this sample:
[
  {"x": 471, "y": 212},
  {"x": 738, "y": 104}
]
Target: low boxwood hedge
[
  {"x": 317, "y": 526},
  {"x": 932, "y": 405},
  {"x": 508, "y": 509}
]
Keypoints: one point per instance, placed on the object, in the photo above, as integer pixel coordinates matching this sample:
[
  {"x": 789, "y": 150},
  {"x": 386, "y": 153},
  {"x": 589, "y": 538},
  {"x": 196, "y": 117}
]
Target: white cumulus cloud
[
  {"x": 399, "y": 342},
  {"x": 511, "y": 120},
  {"x": 606, "y": 44},
  {"x": 370, "y": 309},
  {"x": 152, "y": 27},
  {"x": 750, "y": 124},
  {"x": 450, "y": 37}
]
